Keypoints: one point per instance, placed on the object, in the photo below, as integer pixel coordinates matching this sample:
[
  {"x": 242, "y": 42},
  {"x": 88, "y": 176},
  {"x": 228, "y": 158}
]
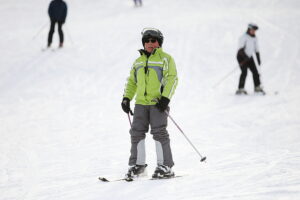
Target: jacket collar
[
  {"x": 248, "y": 33},
  {"x": 144, "y": 52}
]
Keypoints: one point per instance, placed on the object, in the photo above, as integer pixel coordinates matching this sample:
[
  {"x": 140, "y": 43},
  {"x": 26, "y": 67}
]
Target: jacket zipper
[{"x": 146, "y": 74}]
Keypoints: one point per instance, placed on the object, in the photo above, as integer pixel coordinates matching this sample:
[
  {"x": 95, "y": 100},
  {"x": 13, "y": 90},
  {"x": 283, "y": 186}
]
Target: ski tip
[
  {"x": 103, "y": 179},
  {"x": 128, "y": 179},
  {"x": 203, "y": 159}
]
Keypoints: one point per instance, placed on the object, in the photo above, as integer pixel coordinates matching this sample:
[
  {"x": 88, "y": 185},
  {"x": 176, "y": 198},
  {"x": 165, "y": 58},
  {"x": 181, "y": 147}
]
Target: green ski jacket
[{"x": 151, "y": 77}]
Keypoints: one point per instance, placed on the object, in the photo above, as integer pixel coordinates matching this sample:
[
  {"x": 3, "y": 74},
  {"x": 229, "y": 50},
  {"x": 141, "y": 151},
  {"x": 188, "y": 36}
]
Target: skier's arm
[
  {"x": 130, "y": 87},
  {"x": 241, "y": 54},
  {"x": 170, "y": 78},
  {"x": 258, "y": 57},
  {"x": 65, "y": 13},
  {"x": 257, "y": 51},
  {"x": 50, "y": 9},
  {"x": 242, "y": 42}
]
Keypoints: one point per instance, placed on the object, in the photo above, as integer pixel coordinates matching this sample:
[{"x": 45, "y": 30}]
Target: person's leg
[
  {"x": 253, "y": 69},
  {"x": 61, "y": 34},
  {"x": 158, "y": 123},
  {"x": 243, "y": 76},
  {"x": 139, "y": 128},
  {"x": 51, "y": 31}
]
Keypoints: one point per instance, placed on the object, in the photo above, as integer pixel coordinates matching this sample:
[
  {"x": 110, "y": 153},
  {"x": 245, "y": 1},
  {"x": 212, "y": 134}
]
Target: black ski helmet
[
  {"x": 152, "y": 33},
  {"x": 252, "y": 26}
]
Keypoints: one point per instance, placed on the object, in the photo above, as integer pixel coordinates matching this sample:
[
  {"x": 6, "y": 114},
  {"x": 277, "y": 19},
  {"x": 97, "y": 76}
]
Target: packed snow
[{"x": 62, "y": 126}]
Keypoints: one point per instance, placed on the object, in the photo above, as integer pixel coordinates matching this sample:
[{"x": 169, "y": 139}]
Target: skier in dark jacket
[
  {"x": 138, "y": 3},
  {"x": 57, "y": 12}
]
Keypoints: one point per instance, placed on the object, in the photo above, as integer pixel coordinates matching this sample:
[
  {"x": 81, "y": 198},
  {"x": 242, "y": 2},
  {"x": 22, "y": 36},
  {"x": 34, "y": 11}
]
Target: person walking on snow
[
  {"x": 138, "y": 3},
  {"x": 57, "y": 12},
  {"x": 248, "y": 46},
  {"x": 153, "y": 80}
]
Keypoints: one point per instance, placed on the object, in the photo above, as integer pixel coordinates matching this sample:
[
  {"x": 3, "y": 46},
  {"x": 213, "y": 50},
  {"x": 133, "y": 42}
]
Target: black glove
[
  {"x": 163, "y": 103},
  {"x": 126, "y": 105},
  {"x": 258, "y": 57}
]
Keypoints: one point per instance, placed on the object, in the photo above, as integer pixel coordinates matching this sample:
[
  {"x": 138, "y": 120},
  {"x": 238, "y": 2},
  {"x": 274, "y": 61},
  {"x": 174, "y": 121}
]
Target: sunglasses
[{"x": 150, "y": 40}]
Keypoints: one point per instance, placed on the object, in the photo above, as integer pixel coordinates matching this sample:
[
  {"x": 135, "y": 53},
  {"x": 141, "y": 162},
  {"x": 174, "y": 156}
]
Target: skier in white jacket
[{"x": 248, "y": 46}]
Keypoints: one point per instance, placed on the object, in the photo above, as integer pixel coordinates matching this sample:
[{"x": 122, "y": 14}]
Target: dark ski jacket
[{"x": 58, "y": 11}]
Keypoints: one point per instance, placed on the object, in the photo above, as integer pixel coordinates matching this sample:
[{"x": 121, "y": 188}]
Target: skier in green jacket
[{"x": 152, "y": 80}]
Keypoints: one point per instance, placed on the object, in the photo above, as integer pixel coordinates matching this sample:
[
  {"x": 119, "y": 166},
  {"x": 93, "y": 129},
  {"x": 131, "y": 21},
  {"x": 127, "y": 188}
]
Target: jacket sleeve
[
  {"x": 65, "y": 12},
  {"x": 130, "y": 87},
  {"x": 256, "y": 46},
  {"x": 170, "y": 78},
  {"x": 242, "y": 42},
  {"x": 50, "y": 10},
  {"x": 241, "y": 54},
  {"x": 258, "y": 58},
  {"x": 257, "y": 52}
]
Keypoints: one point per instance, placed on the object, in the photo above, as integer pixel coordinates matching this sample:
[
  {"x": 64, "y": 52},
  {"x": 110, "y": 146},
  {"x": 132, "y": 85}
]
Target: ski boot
[
  {"x": 135, "y": 171},
  {"x": 259, "y": 90},
  {"x": 241, "y": 91},
  {"x": 163, "y": 171}
]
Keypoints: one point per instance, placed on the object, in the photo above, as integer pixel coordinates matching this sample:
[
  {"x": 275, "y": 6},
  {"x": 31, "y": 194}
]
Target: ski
[
  {"x": 268, "y": 93},
  {"x": 166, "y": 178},
  {"x": 103, "y": 179},
  {"x": 274, "y": 93},
  {"x": 50, "y": 49},
  {"x": 47, "y": 49}
]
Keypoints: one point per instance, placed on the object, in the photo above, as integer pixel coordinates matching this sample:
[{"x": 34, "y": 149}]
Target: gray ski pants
[{"x": 143, "y": 117}]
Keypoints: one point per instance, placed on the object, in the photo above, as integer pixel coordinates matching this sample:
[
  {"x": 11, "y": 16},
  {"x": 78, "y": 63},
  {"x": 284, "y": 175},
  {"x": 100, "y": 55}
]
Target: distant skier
[
  {"x": 57, "y": 12},
  {"x": 248, "y": 46},
  {"x": 153, "y": 77},
  {"x": 138, "y": 3}
]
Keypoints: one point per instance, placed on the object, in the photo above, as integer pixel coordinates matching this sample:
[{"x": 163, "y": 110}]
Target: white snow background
[{"x": 62, "y": 126}]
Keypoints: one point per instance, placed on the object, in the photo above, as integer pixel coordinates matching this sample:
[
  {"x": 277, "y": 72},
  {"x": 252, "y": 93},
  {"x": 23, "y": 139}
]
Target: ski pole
[
  {"x": 69, "y": 35},
  {"x": 258, "y": 67},
  {"x": 225, "y": 77},
  {"x": 40, "y": 30},
  {"x": 129, "y": 119},
  {"x": 131, "y": 113},
  {"x": 203, "y": 158}
]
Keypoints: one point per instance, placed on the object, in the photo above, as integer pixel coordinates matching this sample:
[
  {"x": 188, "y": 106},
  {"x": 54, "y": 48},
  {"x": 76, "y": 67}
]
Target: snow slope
[{"x": 61, "y": 125}]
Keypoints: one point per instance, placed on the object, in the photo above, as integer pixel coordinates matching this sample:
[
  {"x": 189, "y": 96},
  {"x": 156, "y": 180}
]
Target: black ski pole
[
  {"x": 203, "y": 158},
  {"x": 129, "y": 119},
  {"x": 130, "y": 112}
]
